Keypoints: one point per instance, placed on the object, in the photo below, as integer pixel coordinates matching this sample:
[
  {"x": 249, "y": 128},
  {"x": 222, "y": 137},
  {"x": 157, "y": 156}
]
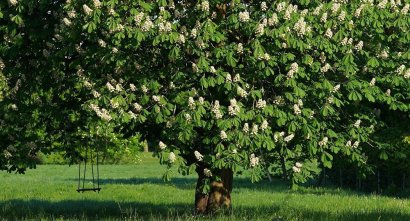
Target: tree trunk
[
  {"x": 219, "y": 197},
  {"x": 283, "y": 164},
  {"x": 145, "y": 146}
]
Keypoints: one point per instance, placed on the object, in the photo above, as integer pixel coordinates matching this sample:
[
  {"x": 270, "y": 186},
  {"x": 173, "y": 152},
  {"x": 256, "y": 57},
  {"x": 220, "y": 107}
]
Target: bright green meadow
[{"x": 137, "y": 192}]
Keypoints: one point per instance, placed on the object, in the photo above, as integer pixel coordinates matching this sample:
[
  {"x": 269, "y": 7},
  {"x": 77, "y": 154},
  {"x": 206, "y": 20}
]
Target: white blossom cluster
[
  {"x": 233, "y": 108},
  {"x": 276, "y": 136},
  {"x": 335, "y": 7},
  {"x": 325, "y": 68},
  {"x": 191, "y": 103},
  {"x": 355, "y": 144},
  {"x": 260, "y": 104},
  {"x": 359, "y": 46},
  {"x": 97, "y": 3},
  {"x": 372, "y": 82},
  {"x": 205, "y": 6},
  {"x": 359, "y": 10},
  {"x": 288, "y": 138},
  {"x": 336, "y": 88},
  {"x": 12, "y": 2},
  {"x": 223, "y": 135},
  {"x": 164, "y": 27},
  {"x": 2, "y": 65},
  {"x": 382, "y": 4},
  {"x": 207, "y": 172},
  {"x": 144, "y": 89},
  {"x": 137, "y": 107},
  {"x": 289, "y": 10},
  {"x": 405, "y": 9},
  {"x": 255, "y": 129},
  {"x": 216, "y": 110},
  {"x": 138, "y": 18},
  {"x": 239, "y": 48},
  {"x": 342, "y": 16},
  {"x": 301, "y": 27},
  {"x": 244, "y": 16},
  {"x": 253, "y": 160},
  {"x": 87, "y": 10},
  {"x": 264, "y": 125},
  {"x": 245, "y": 128},
  {"x": 198, "y": 156},
  {"x": 357, "y": 123},
  {"x": 273, "y": 20},
  {"x": 172, "y": 157},
  {"x": 102, "y": 113},
  {"x": 328, "y": 33},
  {"x": 228, "y": 78},
  {"x": 296, "y": 109},
  {"x": 264, "y": 7},
  {"x": 297, "y": 167},
  {"x": 260, "y": 29},
  {"x": 318, "y": 9},
  {"x": 241, "y": 92},
  {"x": 294, "y": 67},
  {"x": 162, "y": 145},
  {"x": 67, "y": 22},
  {"x": 346, "y": 41},
  {"x": 188, "y": 117},
  {"x": 324, "y": 141},
  {"x": 147, "y": 26},
  {"x": 237, "y": 78},
  {"x": 324, "y": 17}
]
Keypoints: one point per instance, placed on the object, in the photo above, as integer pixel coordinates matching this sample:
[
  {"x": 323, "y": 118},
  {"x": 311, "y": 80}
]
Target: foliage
[{"x": 225, "y": 84}]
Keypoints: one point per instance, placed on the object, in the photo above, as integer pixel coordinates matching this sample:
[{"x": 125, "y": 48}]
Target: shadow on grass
[
  {"x": 102, "y": 210},
  {"x": 188, "y": 183}
]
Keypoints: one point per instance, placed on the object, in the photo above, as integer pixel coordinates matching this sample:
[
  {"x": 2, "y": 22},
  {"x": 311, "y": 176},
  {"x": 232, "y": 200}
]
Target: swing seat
[{"x": 82, "y": 190}]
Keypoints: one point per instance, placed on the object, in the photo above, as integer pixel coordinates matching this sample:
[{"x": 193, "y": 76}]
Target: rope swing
[{"x": 96, "y": 180}]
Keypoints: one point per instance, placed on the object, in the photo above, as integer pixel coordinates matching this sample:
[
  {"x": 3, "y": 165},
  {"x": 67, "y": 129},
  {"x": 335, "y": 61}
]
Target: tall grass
[{"x": 137, "y": 192}]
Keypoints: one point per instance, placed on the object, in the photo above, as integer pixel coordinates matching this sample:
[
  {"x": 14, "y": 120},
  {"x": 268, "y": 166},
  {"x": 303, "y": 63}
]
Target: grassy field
[{"x": 136, "y": 192}]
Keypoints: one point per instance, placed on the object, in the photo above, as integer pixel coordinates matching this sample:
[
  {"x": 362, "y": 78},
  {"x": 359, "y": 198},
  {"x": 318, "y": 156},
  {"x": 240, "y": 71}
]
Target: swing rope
[{"x": 88, "y": 151}]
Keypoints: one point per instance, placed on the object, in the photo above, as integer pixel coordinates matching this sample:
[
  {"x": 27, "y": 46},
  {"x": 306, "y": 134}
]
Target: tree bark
[
  {"x": 219, "y": 197},
  {"x": 283, "y": 164}
]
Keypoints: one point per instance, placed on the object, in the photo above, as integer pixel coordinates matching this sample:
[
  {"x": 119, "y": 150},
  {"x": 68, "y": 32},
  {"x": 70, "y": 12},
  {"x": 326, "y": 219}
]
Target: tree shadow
[{"x": 99, "y": 210}]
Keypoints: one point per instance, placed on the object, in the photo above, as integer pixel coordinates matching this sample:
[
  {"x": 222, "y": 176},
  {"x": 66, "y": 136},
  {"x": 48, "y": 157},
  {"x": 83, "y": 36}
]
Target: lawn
[{"x": 137, "y": 192}]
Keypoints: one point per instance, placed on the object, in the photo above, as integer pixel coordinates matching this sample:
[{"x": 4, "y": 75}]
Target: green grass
[{"x": 137, "y": 192}]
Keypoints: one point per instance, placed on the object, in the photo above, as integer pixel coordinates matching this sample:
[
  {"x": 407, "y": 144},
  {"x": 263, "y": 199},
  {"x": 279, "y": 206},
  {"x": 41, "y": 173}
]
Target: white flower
[
  {"x": 162, "y": 146},
  {"x": 233, "y": 109},
  {"x": 97, "y": 3},
  {"x": 324, "y": 141},
  {"x": 405, "y": 9},
  {"x": 237, "y": 78},
  {"x": 245, "y": 128},
  {"x": 212, "y": 69},
  {"x": 207, "y": 172},
  {"x": 172, "y": 157},
  {"x": 324, "y": 17},
  {"x": 239, "y": 48},
  {"x": 137, "y": 107},
  {"x": 244, "y": 16},
  {"x": 358, "y": 11},
  {"x": 300, "y": 27},
  {"x": 147, "y": 25},
  {"x": 342, "y": 16},
  {"x": 198, "y": 156},
  {"x": 296, "y": 169},
  {"x": 102, "y": 43},
  {"x": 407, "y": 74},
  {"x": 228, "y": 78},
  {"x": 335, "y": 8},
  {"x": 95, "y": 94},
  {"x": 260, "y": 29},
  {"x": 336, "y": 88},
  {"x": 317, "y": 10},
  {"x": 255, "y": 129},
  {"x": 132, "y": 87},
  {"x": 13, "y": 2},
  {"x": 356, "y": 144},
  {"x": 205, "y": 6},
  {"x": 110, "y": 87},
  {"x": 281, "y": 6},
  {"x": 67, "y": 22},
  {"x": 357, "y": 123},
  {"x": 241, "y": 92},
  {"x": 191, "y": 103},
  {"x": 388, "y": 92},
  {"x": 288, "y": 138},
  {"x": 349, "y": 143},
  {"x": 138, "y": 18},
  {"x": 373, "y": 82},
  {"x": 330, "y": 99},
  {"x": 264, "y": 7},
  {"x": 215, "y": 109},
  {"x": 296, "y": 109},
  {"x": 328, "y": 33},
  {"x": 325, "y": 68},
  {"x": 156, "y": 98},
  {"x": 201, "y": 100},
  {"x": 294, "y": 66},
  {"x": 87, "y": 10},
  {"x": 223, "y": 135},
  {"x": 260, "y": 104},
  {"x": 299, "y": 165},
  {"x": 273, "y": 20},
  {"x": 234, "y": 151},
  {"x": 359, "y": 46},
  {"x": 188, "y": 117},
  {"x": 114, "y": 50},
  {"x": 254, "y": 161},
  {"x": 181, "y": 39},
  {"x": 144, "y": 88},
  {"x": 382, "y": 4},
  {"x": 264, "y": 125},
  {"x": 400, "y": 69},
  {"x": 193, "y": 33}
]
